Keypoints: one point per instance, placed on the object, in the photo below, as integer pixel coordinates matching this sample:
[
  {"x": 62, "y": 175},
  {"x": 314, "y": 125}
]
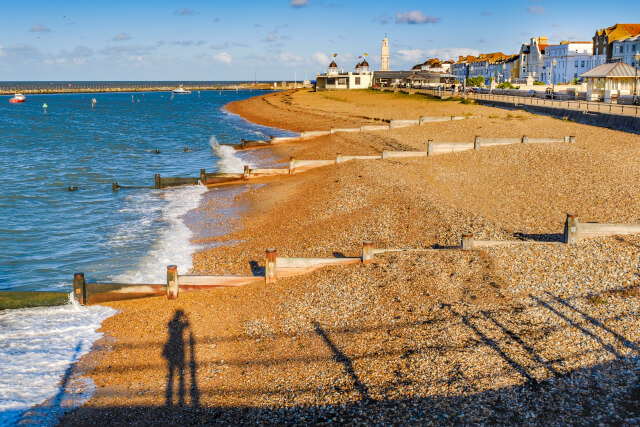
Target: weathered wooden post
[
  {"x": 571, "y": 229},
  {"x": 525, "y": 139},
  {"x": 203, "y": 176},
  {"x": 338, "y": 158},
  {"x": 362, "y": 128},
  {"x": 453, "y": 118},
  {"x": 172, "y": 282},
  {"x": 572, "y": 139},
  {"x": 467, "y": 242},
  {"x": 476, "y": 143},
  {"x": 245, "y": 175},
  {"x": 114, "y": 186},
  {"x": 80, "y": 288},
  {"x": 367, "y": 252},
  {"x": 430, "y": 147},
  {"x": 271, "y": 139},
  {"x": 270, "y": 266},
  {"x": 566, "y": 139},
  {"x": 158, "y": 181},
  {"x": 242, "y": 143},
  {"x": 292, "y": 165},
  {"x": 331, "y": 131},
  {"x": 384, "y": 154}
]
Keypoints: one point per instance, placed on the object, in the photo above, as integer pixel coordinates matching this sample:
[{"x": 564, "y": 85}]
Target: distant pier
[{"x": 9, "y": 88}]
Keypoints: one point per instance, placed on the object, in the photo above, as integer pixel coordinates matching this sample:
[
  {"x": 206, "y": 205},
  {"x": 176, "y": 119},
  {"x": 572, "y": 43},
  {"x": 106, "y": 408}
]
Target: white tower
[{"x": 385, "y": 55}]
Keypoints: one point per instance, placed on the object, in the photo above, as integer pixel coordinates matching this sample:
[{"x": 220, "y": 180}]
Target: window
[
  {"x": 576, "y": 63},
  {"x": 357, "y": 80},
  {"x": 582, "y": 64}
]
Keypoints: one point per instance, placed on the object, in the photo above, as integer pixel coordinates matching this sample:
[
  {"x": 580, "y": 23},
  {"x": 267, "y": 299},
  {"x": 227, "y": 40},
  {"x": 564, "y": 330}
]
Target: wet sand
[{"x": 543, "y": 334}]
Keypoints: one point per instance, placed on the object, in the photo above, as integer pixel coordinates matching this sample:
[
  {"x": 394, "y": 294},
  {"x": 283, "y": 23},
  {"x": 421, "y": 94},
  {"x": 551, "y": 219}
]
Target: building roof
[
  {"x": 611, "y": 69},
  {"x": 619, "y": 31},
  {"x": 407, "y": 74},
  {"x": 364, "y": 63},
  {"x": 333, "y": 64}
]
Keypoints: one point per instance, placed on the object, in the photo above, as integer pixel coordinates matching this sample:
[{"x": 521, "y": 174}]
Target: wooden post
[
  {"x": 203, "y": 176},
  {"x": 172, "y": 282},
  {"x": 245, "y": 176},
  {"x": 331, "y": 131},
  {"x": 384, "y": 154},
  {"x": 158, "y": 181},
  {"x": 430, "y": 147},
  {"x": 271, "y": 140},
  {"x": 572, "y": 139},
  {"x": 525, "y": 139},
  {"x": 571, "y": 229},
  {"x": 338, "y": 158},
  {"x": 79, "y": 288},
  {"x": 467, "y": 242},
  {"x": 421, "y": 121},
  {"x": 367, "y": 252},
  {"x": 292, "y": 165},
  {"x": 476, "y": 143},
  {"x": 270, "y": 267},
  {"x": 453, "y": 118},
  {"x": 242, "y": 143},
  {"x": 566, "y": 139}
]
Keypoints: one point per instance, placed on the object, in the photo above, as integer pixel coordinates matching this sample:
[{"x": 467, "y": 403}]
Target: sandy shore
[{"x": 544, "y": 334}]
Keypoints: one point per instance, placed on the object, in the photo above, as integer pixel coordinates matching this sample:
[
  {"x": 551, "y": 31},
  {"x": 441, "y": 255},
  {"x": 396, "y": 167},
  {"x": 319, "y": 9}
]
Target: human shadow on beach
[{"x": 175, "y": 353}]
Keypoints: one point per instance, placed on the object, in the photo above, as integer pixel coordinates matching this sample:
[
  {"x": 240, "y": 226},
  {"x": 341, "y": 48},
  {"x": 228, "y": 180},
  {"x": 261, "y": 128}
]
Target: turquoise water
[{"x": 48, "y": 232}]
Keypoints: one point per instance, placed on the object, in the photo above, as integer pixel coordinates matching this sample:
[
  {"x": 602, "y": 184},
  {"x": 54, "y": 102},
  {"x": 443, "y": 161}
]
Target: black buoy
[
  {"x": 157, "y": 151},
  {"x": 72, "y": 188}
]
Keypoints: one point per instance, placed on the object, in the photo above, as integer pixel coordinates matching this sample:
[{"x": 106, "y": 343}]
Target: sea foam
[{"x": 38, "y": 347}]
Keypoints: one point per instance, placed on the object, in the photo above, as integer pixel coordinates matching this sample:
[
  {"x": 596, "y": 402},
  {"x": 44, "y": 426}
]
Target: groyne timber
[{"x": 9, "y": 88}]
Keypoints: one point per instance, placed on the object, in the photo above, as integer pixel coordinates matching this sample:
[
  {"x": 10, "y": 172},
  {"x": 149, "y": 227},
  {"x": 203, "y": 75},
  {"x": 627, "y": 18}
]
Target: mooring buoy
[
  {"x": 157, "y": 151},
  {"x": 186, "y": 149},
  {"x": 72, "y": 188}
]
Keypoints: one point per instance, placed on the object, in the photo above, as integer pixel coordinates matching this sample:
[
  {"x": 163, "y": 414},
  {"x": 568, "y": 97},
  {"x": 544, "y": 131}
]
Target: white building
[
  {"x": 532, "y": 57},
  {"x": 362, "y": 78},
  {"x": 623, "y": 50},
  {"x": 572, "y": 59},
  {"x": 384, "y": 57}
]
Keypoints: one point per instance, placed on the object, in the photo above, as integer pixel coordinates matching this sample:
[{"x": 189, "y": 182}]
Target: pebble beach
[{"x": 538, "y": 334}]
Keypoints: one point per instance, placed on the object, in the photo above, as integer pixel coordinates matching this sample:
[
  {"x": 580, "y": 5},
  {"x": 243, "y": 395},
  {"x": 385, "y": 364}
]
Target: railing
[{"x": 585, "y": 106}]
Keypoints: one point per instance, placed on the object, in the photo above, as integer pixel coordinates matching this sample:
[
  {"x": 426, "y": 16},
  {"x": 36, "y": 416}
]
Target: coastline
[{"x": 375, "y": 317}]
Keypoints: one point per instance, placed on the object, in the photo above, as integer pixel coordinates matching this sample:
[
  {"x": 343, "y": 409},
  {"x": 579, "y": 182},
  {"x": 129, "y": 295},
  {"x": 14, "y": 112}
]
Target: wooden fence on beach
[
  {"x": 281, "y": 267},
  {"x": 299, "y": 165}
]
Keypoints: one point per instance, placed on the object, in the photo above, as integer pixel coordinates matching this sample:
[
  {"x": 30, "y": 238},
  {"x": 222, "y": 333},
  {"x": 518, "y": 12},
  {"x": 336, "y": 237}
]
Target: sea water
[{"x": 48, "y": 232}]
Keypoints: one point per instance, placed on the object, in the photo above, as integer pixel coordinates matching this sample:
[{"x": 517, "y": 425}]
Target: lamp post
[
  {"x": 504, "y": 71},
  {"x": 635, "y": 80},
  {"x": 553, "y": 75}
]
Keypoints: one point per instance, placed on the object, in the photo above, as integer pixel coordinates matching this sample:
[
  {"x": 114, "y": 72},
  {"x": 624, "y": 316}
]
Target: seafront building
[
  {"x": 609, "y": 81},
  {"x": 572, "y": 58},
  {"x": 362, "y": 78}
]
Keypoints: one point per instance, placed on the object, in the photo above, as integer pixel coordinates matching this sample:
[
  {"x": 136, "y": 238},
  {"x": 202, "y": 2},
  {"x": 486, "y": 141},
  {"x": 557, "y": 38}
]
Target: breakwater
[{"x": 9, "y": 88}]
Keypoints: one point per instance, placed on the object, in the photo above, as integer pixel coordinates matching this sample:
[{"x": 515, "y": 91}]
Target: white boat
[
  {"x": 18, "y": 97},
  {"x": 181, "y": 91}
]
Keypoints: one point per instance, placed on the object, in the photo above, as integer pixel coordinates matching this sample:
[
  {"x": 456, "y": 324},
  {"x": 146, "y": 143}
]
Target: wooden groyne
[{"x": 298, "y": 165}]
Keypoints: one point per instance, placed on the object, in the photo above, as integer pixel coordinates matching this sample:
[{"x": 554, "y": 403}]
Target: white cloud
[
  {"x": 415, "y": 17},
  {"x": 536, "y": 10},
  {"x": 298, "y": 3},
  {"x": 223, "y": 57},
  {"x": 185, "y": 12},
  {"x": 39, "y": 29},
  {"x": 421, "y": 55},
  {"x": 271, "y": 37},
  {"x": 321, "y": 58},
  {"x": 289, "y": 59},
  {"x": 122, "y": 37},
  {"x": 1, "y": 51}
]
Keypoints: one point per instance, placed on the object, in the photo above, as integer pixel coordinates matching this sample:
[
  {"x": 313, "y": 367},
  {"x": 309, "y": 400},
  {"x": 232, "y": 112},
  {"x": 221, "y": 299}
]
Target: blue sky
[{"x": 235, "y": 40}]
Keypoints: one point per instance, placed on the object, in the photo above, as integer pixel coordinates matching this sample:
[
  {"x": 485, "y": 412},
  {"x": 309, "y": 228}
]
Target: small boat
[
  {"x": 18, "y": 97},
  {"x": 181, "y": 91}
]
